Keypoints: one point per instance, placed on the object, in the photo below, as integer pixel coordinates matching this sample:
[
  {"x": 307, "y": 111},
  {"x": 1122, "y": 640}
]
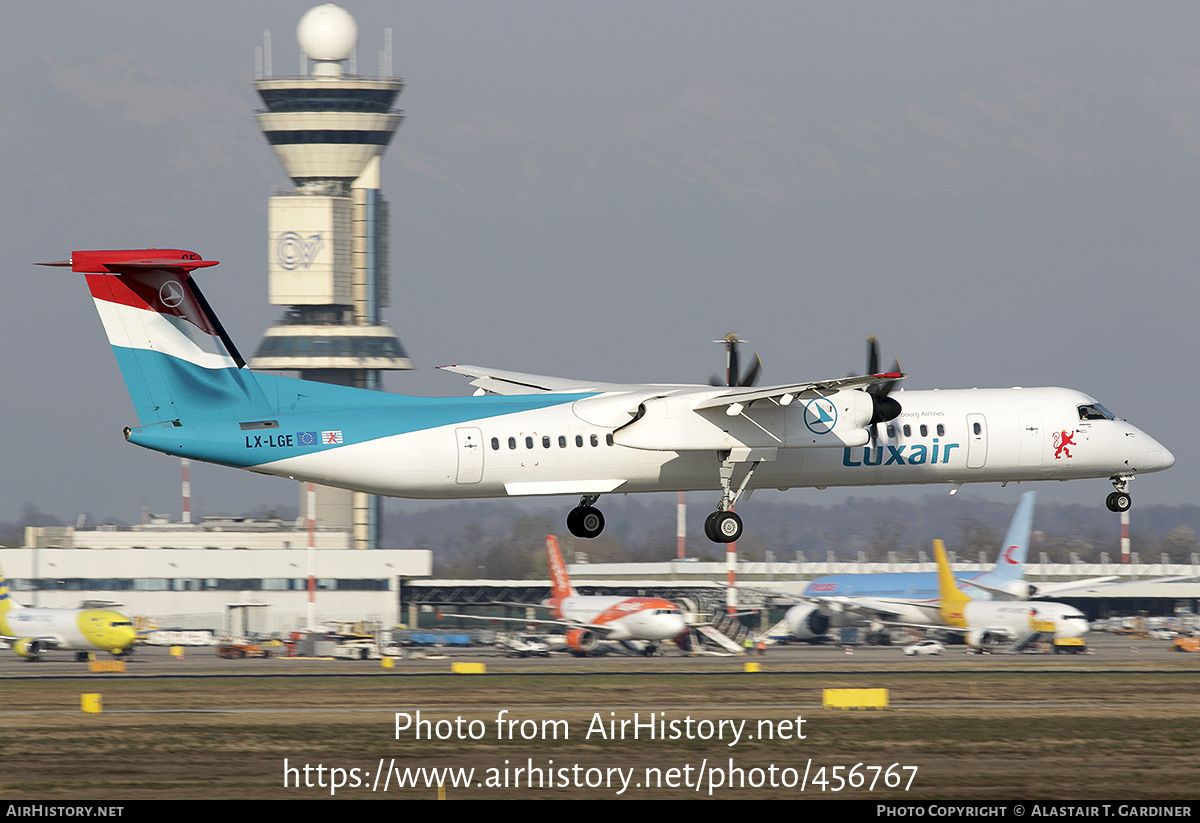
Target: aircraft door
[
  {"x": 976, "y": 441},
  {"x": 470, "y": 455}
]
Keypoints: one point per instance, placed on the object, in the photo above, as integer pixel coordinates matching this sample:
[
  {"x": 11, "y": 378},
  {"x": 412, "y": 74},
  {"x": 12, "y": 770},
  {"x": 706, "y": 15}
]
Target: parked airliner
[
  {"x": 843, "y": 600},
  {"x": 525, "y": 434},
  {"x": 34, "y": 631},
  {"x": 589, "y": 619},
  {"x": 984, "y": 623}
]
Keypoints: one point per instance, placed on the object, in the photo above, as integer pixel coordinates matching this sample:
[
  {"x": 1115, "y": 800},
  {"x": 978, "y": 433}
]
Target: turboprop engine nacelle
[{"x": 808, "y": 420}]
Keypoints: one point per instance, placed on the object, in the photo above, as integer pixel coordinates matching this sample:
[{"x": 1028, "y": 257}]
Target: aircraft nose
[
  {"x": 1166, "y": 459},
  {"x": 1156, "y": 457}
]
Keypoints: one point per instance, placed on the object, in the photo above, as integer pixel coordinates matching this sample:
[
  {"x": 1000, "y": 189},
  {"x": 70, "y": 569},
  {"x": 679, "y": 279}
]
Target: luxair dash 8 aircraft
[
  {"x": 34, "y": 631},
  {"x": 525, "y": 434}
]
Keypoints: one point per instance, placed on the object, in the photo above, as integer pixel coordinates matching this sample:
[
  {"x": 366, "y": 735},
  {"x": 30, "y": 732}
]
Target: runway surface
[{"x": 1106, "y": 652}]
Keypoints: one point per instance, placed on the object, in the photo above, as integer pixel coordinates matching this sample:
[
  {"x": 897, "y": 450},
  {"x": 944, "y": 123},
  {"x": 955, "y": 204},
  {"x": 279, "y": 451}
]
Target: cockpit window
[{"x": 1095, "y": 412}]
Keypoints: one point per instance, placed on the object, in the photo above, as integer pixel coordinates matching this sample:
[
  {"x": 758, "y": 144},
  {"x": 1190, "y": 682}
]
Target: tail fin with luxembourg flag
[
  {"x": 560, "y": 583},
  {"x": 176, "y": 358}
]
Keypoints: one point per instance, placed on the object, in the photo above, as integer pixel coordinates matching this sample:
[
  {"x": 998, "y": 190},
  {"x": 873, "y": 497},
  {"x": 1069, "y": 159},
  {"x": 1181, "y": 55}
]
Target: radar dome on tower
[{"x": 327, "y": 34}]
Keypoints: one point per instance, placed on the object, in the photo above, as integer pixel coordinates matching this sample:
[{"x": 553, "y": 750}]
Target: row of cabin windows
[
  {"x": 923, "y": 429},
  {"x": 547, "y": 443}
]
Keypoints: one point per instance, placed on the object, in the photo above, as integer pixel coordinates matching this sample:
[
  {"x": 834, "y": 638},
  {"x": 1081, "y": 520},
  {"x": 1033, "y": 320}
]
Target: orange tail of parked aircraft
[{"x": 560, "y": 581}]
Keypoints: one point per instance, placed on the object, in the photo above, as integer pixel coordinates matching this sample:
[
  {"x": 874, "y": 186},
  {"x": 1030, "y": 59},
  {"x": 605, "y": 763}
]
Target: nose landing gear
[{"x": 1119, "y": 501}]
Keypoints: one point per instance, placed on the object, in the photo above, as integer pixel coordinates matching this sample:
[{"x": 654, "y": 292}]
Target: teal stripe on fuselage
[{"x": 299, "y": 407}]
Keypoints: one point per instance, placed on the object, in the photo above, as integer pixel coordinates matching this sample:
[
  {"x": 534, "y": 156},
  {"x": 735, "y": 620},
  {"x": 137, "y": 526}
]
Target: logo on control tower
[{"x": 295, "y": 252}]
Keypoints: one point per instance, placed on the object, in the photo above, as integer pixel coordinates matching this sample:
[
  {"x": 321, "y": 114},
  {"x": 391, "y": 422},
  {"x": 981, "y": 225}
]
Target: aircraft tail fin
[
  {"x": 6, "y": 602},
  {"x": 176, "y": 357},
  {"x": 953, "y": 599},
  {"x": 1010, "y": 563},
  {"x": 560, "y": 582}
]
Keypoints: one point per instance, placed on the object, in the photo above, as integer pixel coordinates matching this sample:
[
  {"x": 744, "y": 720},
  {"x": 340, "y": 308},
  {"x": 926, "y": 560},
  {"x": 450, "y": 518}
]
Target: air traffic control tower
[{"x": 328, "y": 238}]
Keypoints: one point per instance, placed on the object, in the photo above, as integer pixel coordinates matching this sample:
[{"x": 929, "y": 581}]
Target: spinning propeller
[
  {"x": 732, "y": 377},
  {"x": 886, "y": 407}
]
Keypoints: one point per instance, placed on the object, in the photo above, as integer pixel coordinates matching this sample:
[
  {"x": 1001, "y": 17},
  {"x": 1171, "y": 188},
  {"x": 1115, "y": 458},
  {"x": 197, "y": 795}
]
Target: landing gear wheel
[
  {"x": 585, "y": 521},
  {"x": 1119, "y": 502},
  {"x": 723, "y": 527}
]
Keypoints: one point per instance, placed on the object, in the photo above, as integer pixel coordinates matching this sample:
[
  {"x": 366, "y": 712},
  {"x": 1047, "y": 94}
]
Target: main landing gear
[
  {"x": 585, "y": 520},
  {"x": 1119, "y": 501},
  {"x": 723, "y": 525}
]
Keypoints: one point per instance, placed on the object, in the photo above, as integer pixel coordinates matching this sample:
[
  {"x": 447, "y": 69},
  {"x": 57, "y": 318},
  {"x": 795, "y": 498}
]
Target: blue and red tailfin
[{"x": 176, "y": 358}]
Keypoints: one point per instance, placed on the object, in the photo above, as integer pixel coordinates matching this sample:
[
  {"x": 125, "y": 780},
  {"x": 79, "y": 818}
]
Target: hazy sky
[{"x": 1006, "y": 193}]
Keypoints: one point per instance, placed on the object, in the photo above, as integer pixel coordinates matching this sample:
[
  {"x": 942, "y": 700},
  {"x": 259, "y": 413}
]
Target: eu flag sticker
[{"x": 307, "y": 438}]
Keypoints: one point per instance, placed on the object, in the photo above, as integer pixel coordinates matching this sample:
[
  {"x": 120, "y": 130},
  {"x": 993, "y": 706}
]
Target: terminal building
[{"x": 190, "y": 576}]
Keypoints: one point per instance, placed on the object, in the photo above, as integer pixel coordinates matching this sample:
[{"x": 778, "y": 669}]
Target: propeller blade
[{"x": 750, "y": 378}]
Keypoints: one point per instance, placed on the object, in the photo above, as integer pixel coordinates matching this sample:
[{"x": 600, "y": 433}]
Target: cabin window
[
  {"x": 512, "y": 442},
  {"x": 924, "y": 430},
  {"x": 907, "y": 430},
  {"x": 595, "y": 440},
  {"x": 978, "y": 429},
  {"x": 545, "y": 441},
  {"x": 562, "y": 442},
  {"x": 941, "y": 430},
  {"x": 608, "y": 438},
  {"x": 579, "y": 440},
  {"x": 495, "y": 444},
  {"x": 529, "y": 442}
]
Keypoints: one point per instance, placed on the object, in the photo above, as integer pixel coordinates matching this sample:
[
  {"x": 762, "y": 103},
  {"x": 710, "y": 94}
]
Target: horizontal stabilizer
[{"x": 116, "y": 261}]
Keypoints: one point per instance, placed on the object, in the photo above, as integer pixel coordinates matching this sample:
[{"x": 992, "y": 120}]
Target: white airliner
[
  {"x": 33, "y": 631},
  {"x": 854, "y": 600},
  {"x": 589, "y": 619},
  {"x": 984, "y": 623},
  {"x": 532, "y": 435}
]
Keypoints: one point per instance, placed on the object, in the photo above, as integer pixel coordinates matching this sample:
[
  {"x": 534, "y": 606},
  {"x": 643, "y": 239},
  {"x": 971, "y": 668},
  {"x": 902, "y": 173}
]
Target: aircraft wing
[
  {"x": 1052, "y": 591},
  {"x": 785, "y": 394},
  {"x": 884, "y": 609},
  {"x": 602, "y": 628},
  {"x": 52, "y": 641},
  {"x": 499, "y": 381}
]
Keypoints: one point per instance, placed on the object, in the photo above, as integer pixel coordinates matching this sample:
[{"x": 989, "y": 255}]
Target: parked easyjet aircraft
[
  {"x": 33, "y": 631},
  {"x": 589, "y": 619},
  {"x": 530, "y": 435}
]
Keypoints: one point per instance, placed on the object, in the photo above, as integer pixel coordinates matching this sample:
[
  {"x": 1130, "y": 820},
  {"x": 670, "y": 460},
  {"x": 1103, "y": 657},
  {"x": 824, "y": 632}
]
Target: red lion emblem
[{"x": 1061, "y": 441}]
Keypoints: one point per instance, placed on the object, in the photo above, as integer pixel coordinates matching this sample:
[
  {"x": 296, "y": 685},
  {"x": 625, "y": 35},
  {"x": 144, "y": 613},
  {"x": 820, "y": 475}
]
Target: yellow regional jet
[{"x": 33, "y": 632}]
